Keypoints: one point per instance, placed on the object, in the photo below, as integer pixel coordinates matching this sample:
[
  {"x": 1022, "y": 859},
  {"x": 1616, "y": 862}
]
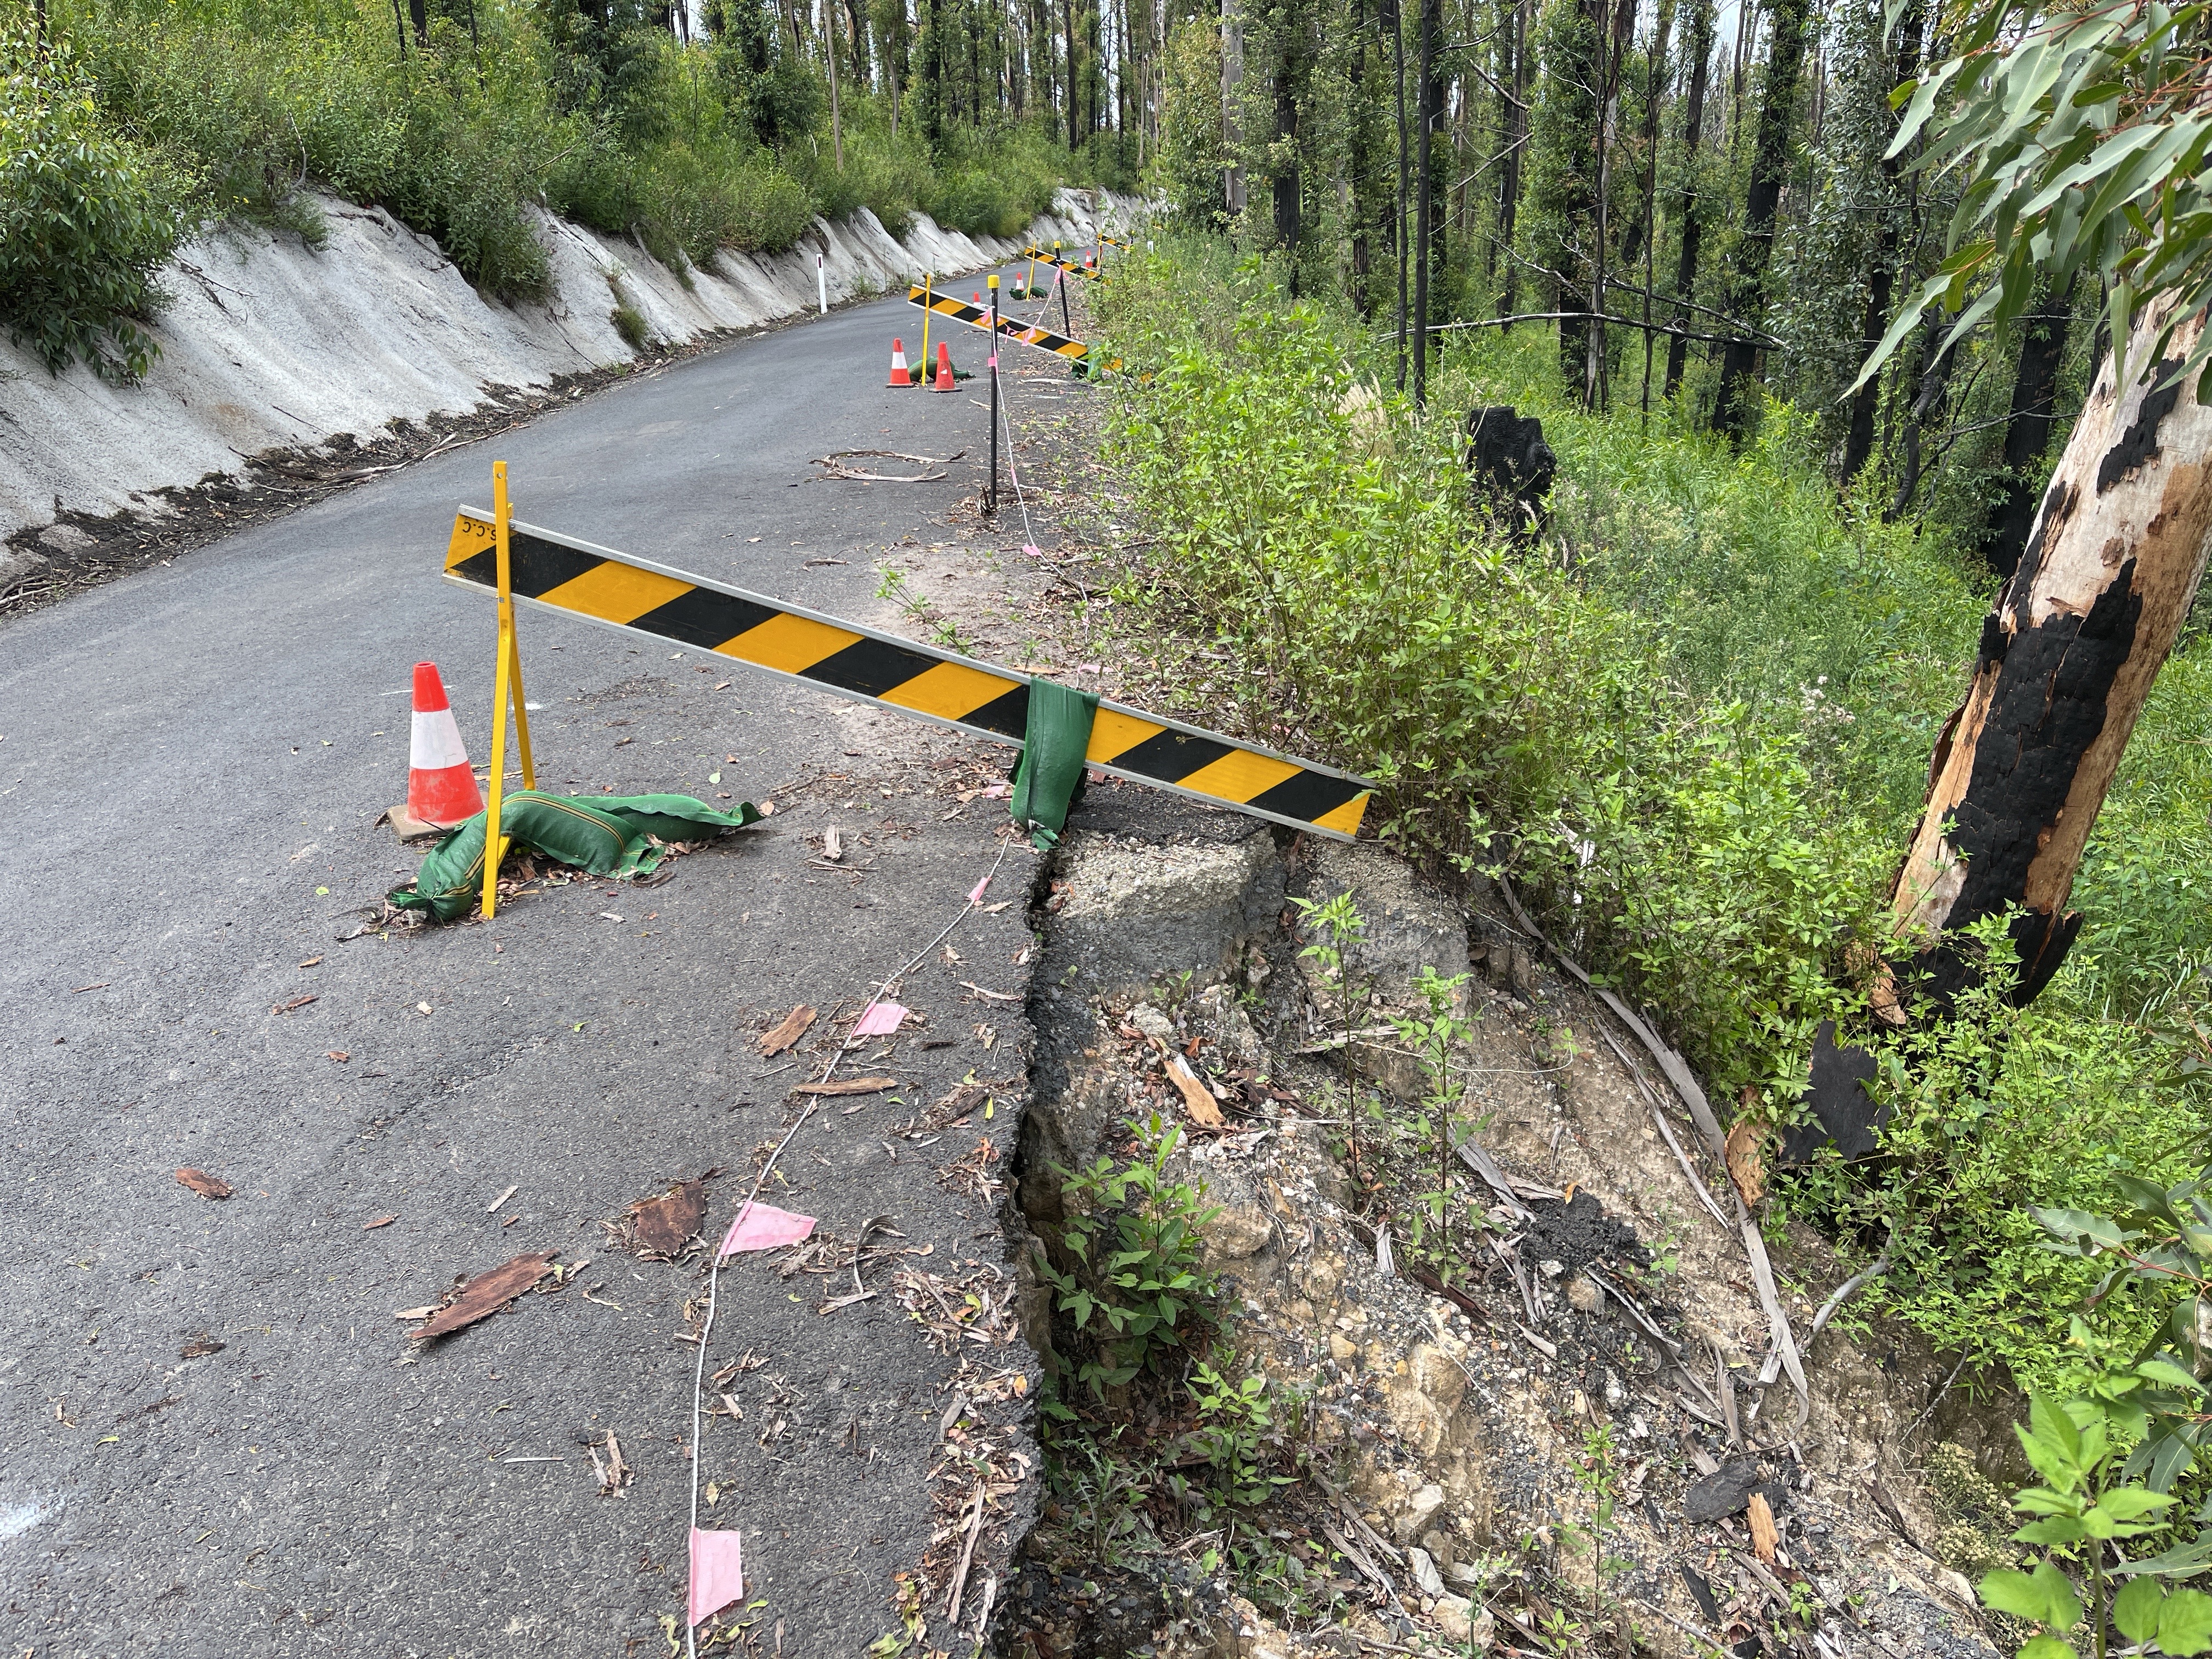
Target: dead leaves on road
[
  {"x": 205, "y": 1185},
  {"x": 485, "y": 1295},
  {"x": 792, "y": 1028},
  {"x": 971, "y": 1175},
  {"x": 661, "y": 1227}
]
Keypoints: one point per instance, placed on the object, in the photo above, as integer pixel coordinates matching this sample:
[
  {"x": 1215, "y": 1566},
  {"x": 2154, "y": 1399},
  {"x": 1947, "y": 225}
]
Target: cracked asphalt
[{"x": 221, "y": 1442}]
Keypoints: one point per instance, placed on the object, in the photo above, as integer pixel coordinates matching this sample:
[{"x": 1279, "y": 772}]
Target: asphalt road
[{"x": 191, "y": 761}]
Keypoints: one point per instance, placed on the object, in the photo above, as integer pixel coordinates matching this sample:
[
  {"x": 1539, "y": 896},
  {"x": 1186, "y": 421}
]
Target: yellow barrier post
[
  {"x": 507, "y": 679},
  {"x": 927, "y": 277}
]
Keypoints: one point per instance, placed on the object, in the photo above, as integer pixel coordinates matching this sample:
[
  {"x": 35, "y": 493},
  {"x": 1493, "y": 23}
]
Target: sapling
[{"x": 1431, "y": 1038}]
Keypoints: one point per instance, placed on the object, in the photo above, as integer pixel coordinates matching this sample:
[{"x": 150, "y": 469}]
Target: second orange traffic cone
[
  {"x": 943, "y": 380},
  {"x": 901, "y": 374},
  {"x": 441, "y": 790}
]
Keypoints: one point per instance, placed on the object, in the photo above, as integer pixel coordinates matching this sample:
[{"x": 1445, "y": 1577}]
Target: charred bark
[
  {"x": 2068, "y": 657},
  {"x": 1362, "y": 206},
  {"x": 1425, "y": 196},
  {"x": 1933, "y": 379},
  {"x": 1517, "y": 141},
  {"x": 1858, "y": 437},
  {"x": 1693, "y": 120},
  {"x": 1770, "y": 163},
  {"x": 1288, "y": 50},
  {"x": 2027, "y": 430}
]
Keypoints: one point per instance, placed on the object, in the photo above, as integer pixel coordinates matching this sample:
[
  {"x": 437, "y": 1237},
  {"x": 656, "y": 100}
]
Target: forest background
[
  {"x": 1693, "y": 720},
  {"x": 1693, "y": 723}
]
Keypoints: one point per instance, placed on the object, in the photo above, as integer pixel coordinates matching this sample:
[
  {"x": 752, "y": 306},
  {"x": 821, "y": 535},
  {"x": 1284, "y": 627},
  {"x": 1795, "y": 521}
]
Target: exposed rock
[
  {"x": 1457, "y": 1616},
  {"x": 17, "y": 562},
  {"x": 1136, "y": 914},
  {"x": 1153, "y": 1023},
  {"x": 1453, "y": 1439},
  {"x": 1425, "y": 1571},
  {"x": 1239, "y": 1231},
  {"x": 1409, "y": 926}
]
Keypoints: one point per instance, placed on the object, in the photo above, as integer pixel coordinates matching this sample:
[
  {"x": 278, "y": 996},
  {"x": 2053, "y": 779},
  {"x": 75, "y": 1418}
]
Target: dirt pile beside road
[{"x": 1567, "y": 1448}]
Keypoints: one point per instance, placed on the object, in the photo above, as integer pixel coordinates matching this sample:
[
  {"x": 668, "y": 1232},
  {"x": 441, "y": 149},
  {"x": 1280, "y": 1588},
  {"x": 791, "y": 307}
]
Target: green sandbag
[
  {"x": 613, "y": 836},
  {"x": 1057, "y": 736}
]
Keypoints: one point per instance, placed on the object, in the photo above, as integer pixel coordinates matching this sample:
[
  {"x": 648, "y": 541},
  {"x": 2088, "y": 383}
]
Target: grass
[
  {"x": 1693, "y": 726},
  {"x": 185, "y": 112}
]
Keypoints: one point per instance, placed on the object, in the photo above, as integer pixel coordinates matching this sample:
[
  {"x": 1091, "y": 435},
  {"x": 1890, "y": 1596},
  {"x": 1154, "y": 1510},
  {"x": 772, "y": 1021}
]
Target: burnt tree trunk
[
  {"x": 1425, "y": 193},
  {"x": 1363, "y": 194},
  {"x": 1516, "y": 104},
  {"x": 1656, "y": 72},
  {"x": 1858, "y": 437},
  {"x": 1693, "y": 123},
  {"x": 1933, "y": 381},
  {"x": 2027, "y": 429},
  {"x": 1288, "y": 47},
  {"x": 2068, "y": 657},
  {"x": 1770, "y": 163},
  {"x": 1391, "y": 15}
]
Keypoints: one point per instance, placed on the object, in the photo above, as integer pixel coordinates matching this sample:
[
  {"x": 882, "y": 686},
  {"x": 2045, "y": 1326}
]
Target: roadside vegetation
[
  {"x": 1692, "y": 728},
  {"x": 1807, "y": 300},
  {"x": 129, "y": 125}
]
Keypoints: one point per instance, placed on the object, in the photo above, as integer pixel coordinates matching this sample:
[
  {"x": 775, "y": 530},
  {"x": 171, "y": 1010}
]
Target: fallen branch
[
  {"x": 1843, "y": 1292},
  {"x": 834, "y": 461},
  {"x": 1666, "y": 1130},
  {"x": 1701, "y": 1112}
]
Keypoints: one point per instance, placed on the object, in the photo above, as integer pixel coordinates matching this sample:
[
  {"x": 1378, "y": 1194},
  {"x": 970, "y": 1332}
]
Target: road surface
[{"x": 222, "y": 1441}]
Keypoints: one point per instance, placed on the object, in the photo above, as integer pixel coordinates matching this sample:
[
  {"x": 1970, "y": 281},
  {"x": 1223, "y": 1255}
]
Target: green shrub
[
  {"x": 86, "y": 216},
  {"x": 1137, "y": 1281},
  {"x": 1519, "y": 716}
]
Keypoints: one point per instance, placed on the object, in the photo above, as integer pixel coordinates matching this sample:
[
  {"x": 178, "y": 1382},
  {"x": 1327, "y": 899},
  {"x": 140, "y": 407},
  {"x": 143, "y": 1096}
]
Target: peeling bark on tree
[{"x": 2068, "y": 657}]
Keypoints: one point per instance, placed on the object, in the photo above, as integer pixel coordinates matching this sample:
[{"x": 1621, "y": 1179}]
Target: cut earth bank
[
  {"x": 1449, "y": 1461},
  {"x": 305, "y": 359}
]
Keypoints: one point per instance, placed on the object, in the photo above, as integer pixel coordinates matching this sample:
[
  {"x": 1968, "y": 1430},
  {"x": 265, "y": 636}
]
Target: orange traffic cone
[
  {"x": 442, "y": 791},
  {"x": 901, "y": 374},
  {"x": 944, "y": 381}
]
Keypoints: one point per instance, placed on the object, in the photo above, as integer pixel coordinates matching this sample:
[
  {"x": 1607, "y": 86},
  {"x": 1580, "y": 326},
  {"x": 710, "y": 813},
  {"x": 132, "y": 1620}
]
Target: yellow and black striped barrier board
[
  {"x": 1080, "y": 269},
  {"x": 580, "y": 580},
  {"x": 1028, "y": 333}
]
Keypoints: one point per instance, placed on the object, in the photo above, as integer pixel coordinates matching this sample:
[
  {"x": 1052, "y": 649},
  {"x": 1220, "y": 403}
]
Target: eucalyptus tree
[
  {"x": 2078, "y": 138},
  {"x": 1754, "y": 247}
]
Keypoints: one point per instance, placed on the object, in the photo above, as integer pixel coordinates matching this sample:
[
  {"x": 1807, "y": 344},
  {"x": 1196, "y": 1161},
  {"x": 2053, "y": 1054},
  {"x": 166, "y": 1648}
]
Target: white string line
[
  {"x": 715, "y": 1273},
  {"x": 1014, "y": 473},
  {"x": 699, "y": 1366}
]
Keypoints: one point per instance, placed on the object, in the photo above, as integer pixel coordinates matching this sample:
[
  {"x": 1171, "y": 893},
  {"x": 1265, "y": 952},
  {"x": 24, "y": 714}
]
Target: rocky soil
[{"x": 1442, "y": 1446}]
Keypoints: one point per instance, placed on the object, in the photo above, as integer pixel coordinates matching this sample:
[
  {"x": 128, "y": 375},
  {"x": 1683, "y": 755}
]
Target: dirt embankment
[
  {"x": 1444, "y": 1450},
  {"x": 1602, "y": 1335}
]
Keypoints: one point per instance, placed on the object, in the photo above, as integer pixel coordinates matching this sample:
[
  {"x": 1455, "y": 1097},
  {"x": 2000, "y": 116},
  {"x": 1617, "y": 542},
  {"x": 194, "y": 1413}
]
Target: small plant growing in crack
[
  {"x": 1336, "y": 928},
  {"x": 1136, "y": 1244},
  {"x": 1432, "y": 1037}
]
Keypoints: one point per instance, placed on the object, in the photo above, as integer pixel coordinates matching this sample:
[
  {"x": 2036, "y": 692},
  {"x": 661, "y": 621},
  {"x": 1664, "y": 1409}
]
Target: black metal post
[{"x": 991, "y": 495}]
